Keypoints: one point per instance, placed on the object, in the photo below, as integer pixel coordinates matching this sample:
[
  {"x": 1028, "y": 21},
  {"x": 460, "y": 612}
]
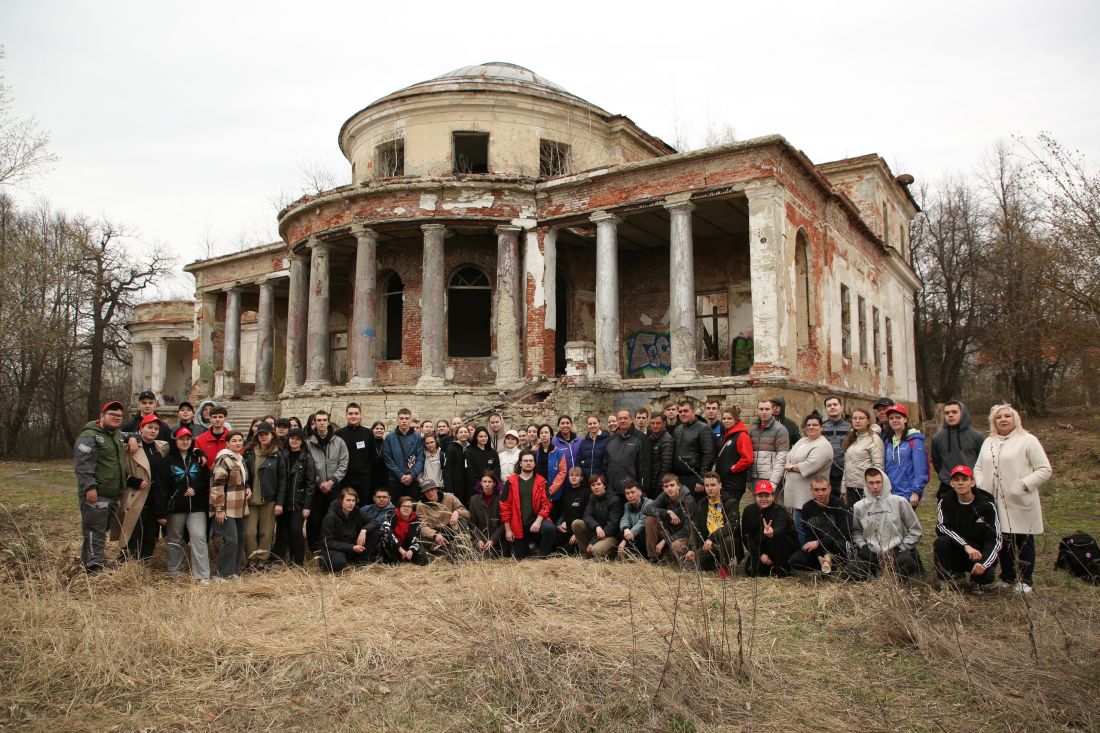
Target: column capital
[
  {"x": 679, "y": 201},
  {"x": 363, "y": 232},
  {"x": 508, "y": 229},
  {"x": 601, "y": 217},
  {"x": 765, "y": 189},
  {"x": 298, "y": 256},
  {"x": 320, "y": 245},
  {"x": 434, "y": 228}
]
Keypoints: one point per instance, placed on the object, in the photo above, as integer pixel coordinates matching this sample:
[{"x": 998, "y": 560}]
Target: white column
[
  {"x": 317, "y": 336},
  {"x": 159, "y": 368},
  {"x": 206, "y": 308},
  {"x": 138, "y": 352},
  {"x": 231, "y": 351},
  {"x": 265, "y": 338},
  {"x": 608, "y": 358},
  {"x": 507, "y": 307},
  {"x": 364, "y": 308},
  {"x": 432, "y": 300},
  {"x": 767, "y": 267},
  {"x": 297, "y": 316},
  {"x": 681, "y": 288}
]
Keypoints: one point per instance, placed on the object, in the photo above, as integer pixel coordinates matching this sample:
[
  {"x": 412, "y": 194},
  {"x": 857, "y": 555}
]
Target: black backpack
[{"x": 1079, "y": 554}]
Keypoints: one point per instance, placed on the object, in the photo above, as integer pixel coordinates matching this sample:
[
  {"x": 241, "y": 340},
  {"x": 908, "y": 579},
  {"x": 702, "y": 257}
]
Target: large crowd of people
[{"x": 835, "y": 495}]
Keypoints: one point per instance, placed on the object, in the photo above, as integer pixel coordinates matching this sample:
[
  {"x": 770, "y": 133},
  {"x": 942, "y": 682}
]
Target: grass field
[{"x": 556, "y": 645}]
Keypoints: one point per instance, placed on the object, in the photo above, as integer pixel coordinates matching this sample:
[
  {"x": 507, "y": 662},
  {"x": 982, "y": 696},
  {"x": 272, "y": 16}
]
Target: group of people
[{"x": 836, "y": 495}]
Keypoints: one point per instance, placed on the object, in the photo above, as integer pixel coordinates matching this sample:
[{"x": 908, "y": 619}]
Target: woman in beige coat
[
  {"x": 863, "y": 449},
  {"x": 1012, "y": 465},
  {"x": 810, "y": 456}
]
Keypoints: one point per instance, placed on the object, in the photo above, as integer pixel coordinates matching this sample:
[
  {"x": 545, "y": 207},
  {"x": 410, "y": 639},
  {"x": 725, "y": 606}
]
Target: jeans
[
  {"x": 95, "y": 520},
  {"x": 195, "y": 522},
  {"x": 228, "y": 554}
]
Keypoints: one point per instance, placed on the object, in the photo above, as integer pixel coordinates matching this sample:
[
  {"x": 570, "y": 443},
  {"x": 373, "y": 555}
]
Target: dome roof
[{"x": 499, "y": 70}]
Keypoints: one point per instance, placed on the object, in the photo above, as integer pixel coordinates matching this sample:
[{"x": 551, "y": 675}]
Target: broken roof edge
[
  {"x": 191, "y": 267},
  {"x": 874, "y": 160}
]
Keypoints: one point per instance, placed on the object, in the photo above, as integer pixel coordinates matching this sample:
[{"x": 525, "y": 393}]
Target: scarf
[{"x": 401, "y": 526}]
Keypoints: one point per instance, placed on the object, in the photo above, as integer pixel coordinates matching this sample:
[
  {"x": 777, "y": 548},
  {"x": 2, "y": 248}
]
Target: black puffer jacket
[
  {"x": 660, "y": 462},
  {"x": 301, "y": 480},
  {"x": 692, "y": 451}
]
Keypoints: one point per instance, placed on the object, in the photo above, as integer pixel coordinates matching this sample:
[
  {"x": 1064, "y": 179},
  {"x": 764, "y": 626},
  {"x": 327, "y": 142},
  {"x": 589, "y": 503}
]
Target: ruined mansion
[{"x": 506, "y": 244}]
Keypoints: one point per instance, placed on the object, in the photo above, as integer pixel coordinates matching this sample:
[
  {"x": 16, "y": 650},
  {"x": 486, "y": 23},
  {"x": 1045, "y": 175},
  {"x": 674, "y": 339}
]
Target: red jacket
[
  {"x": 743, "y": 444},
  {"x": 511, "y": 508},
  {"x": 211, "y": 444}
]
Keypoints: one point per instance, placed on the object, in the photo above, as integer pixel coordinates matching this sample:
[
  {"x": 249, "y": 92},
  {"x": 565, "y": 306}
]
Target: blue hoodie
[{"x": 907, "y": 464}]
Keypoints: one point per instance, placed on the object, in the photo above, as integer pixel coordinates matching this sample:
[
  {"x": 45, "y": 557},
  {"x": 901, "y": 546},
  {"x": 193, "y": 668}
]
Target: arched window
[
  {"x": 803, "y": 306},
  {"x": 469, "y": 313},
  {"x": 391, "y": 316}
]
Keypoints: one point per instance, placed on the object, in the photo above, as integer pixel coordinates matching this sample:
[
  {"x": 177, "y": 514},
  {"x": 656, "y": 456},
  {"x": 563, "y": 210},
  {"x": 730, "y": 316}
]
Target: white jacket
[{"x": 1012, "y": 468}]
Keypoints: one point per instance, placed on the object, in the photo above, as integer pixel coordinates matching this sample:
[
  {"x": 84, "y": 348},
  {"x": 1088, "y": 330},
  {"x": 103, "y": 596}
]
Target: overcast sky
[{"x": 185, "y": 121}]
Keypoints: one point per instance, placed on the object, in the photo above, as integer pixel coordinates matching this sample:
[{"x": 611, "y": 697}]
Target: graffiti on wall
[{"x": 648, "y": 354}]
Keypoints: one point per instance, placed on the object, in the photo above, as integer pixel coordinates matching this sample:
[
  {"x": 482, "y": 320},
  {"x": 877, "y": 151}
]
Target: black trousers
[
  {"x": 950, "y": 559},
  {"x": 317, "y": 513},
  {"x": 778, "y": 550},
  {"x": 143, "y": 540},
  {"x": 867, "y": 564},
  {"x": 334, "y": 561}
]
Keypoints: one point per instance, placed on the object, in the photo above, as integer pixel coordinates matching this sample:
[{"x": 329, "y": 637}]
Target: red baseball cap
[
  {"x": 116, "y": 405},
  {"x": 148, "y": 419},
  {"x": 964, "y": 470},
  {"x": 182, "y": 432},
  {"x": 763, "y": 486},
  {"x": 900, "y": 409}
]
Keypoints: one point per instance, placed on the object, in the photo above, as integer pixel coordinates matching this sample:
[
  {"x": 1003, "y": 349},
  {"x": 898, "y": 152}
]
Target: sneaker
[
  {"x": 219, "y": 579},
  {"x": 204, "y": 581},
  {"x": 1021, "y": 588},
  {"x": 1005, "y": 586},
  {"x": 827, "y": 564},
  {"x": 234, "y": 576},
  {"x": 976, "y": 589}
]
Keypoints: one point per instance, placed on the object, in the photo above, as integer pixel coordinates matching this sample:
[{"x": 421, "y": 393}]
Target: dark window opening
[
  {"x": 803, "y": 306},
  {"x": 712, "y": 327},
  {"x": 469, "y": 313},
  {"x": 845, "y": 323},
  {"x": 471, "y": 152},
  {"x": 877, "y": 342},
  {"x": 393, "y": 303},
  {"x": 553, "y": 158},
  {"x": 889, "y": 347},
  {"x": 389, "y": 159},
  {"x": 561, "y": 321}
]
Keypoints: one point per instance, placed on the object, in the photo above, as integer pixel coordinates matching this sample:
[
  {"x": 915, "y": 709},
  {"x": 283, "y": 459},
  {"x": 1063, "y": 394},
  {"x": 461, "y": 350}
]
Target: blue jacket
[
  {"x": 397, "y": 449},
  {"x": 907, "y": 464},
  {"x": 571, "y": 448},
  {"x": 593, "y": 453}
]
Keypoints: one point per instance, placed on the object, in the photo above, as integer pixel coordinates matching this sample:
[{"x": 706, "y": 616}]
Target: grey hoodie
[
  {"x": 884, "y": 522},
  {"x": 955, "y": 446}
]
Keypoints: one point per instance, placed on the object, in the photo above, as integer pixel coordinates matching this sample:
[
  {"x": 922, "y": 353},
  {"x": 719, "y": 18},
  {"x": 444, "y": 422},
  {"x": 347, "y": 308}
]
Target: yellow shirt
[{"x": 716, "y": 517}]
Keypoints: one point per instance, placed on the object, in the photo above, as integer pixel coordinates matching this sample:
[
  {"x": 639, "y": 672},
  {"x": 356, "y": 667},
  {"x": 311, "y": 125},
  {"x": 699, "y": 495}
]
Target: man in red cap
[
  {"x": 100, "y": 480},
  {"x": 768, "y": 533},
  {"x": 969, "y": 534}
]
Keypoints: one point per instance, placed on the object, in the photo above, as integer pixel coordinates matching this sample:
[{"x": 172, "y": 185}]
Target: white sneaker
[
  {"x": 1005, "y": 586},
  {"x": 204, "y": 581},
  {"x": 218, "y": 579},
  {"x": 1021, "y": 588}
]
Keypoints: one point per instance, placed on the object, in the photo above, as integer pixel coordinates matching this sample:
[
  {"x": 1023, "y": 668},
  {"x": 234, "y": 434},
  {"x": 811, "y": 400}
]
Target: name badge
[{"x": 360, "y": 444}]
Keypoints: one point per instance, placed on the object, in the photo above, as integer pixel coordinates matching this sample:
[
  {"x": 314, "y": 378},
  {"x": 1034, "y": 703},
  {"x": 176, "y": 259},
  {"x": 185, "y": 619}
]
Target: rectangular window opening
[
  {"x": 845, "y": 322},
  {"x": 875, "y": 338},
  {"x": 553, "y": 158},
  {"x": 389, "y": 159},
  {"x": 889, "y": 347},
  {"x": 712, "y": 327},
  {"x": 861, "y": 314},
  {"x": 471, "y": 152}
]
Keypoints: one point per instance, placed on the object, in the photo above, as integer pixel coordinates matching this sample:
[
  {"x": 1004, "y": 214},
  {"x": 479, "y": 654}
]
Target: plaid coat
[{"x": 228, "y": 484}]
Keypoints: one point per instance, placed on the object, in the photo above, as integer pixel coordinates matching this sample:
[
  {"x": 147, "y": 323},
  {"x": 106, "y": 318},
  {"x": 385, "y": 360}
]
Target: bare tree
[
  {"x": 115, "y": 277},
  {"x": 949, "y": 246},
  {"x": 23, "y": 145}
]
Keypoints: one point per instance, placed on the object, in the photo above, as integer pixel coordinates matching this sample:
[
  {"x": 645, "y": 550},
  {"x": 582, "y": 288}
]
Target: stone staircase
[{"x": 243, "y": 411}]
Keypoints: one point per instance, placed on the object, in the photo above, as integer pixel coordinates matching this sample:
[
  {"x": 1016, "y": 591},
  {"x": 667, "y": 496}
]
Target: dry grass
[{"x": 499, "y": 646}]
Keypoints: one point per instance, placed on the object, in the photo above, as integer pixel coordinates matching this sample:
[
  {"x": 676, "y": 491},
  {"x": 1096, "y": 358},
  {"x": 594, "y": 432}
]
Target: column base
[
  {"x": 680, "y": 376},
  {"x": 359, "y": 383},
  {"x": 315, "y": 384},
  {"x": 609, "y": 377},
  {"x": 430, "y": 382}
]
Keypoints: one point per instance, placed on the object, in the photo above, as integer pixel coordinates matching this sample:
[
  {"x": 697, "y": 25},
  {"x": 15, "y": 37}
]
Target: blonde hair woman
[{"x": 1012, "y": 465}]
